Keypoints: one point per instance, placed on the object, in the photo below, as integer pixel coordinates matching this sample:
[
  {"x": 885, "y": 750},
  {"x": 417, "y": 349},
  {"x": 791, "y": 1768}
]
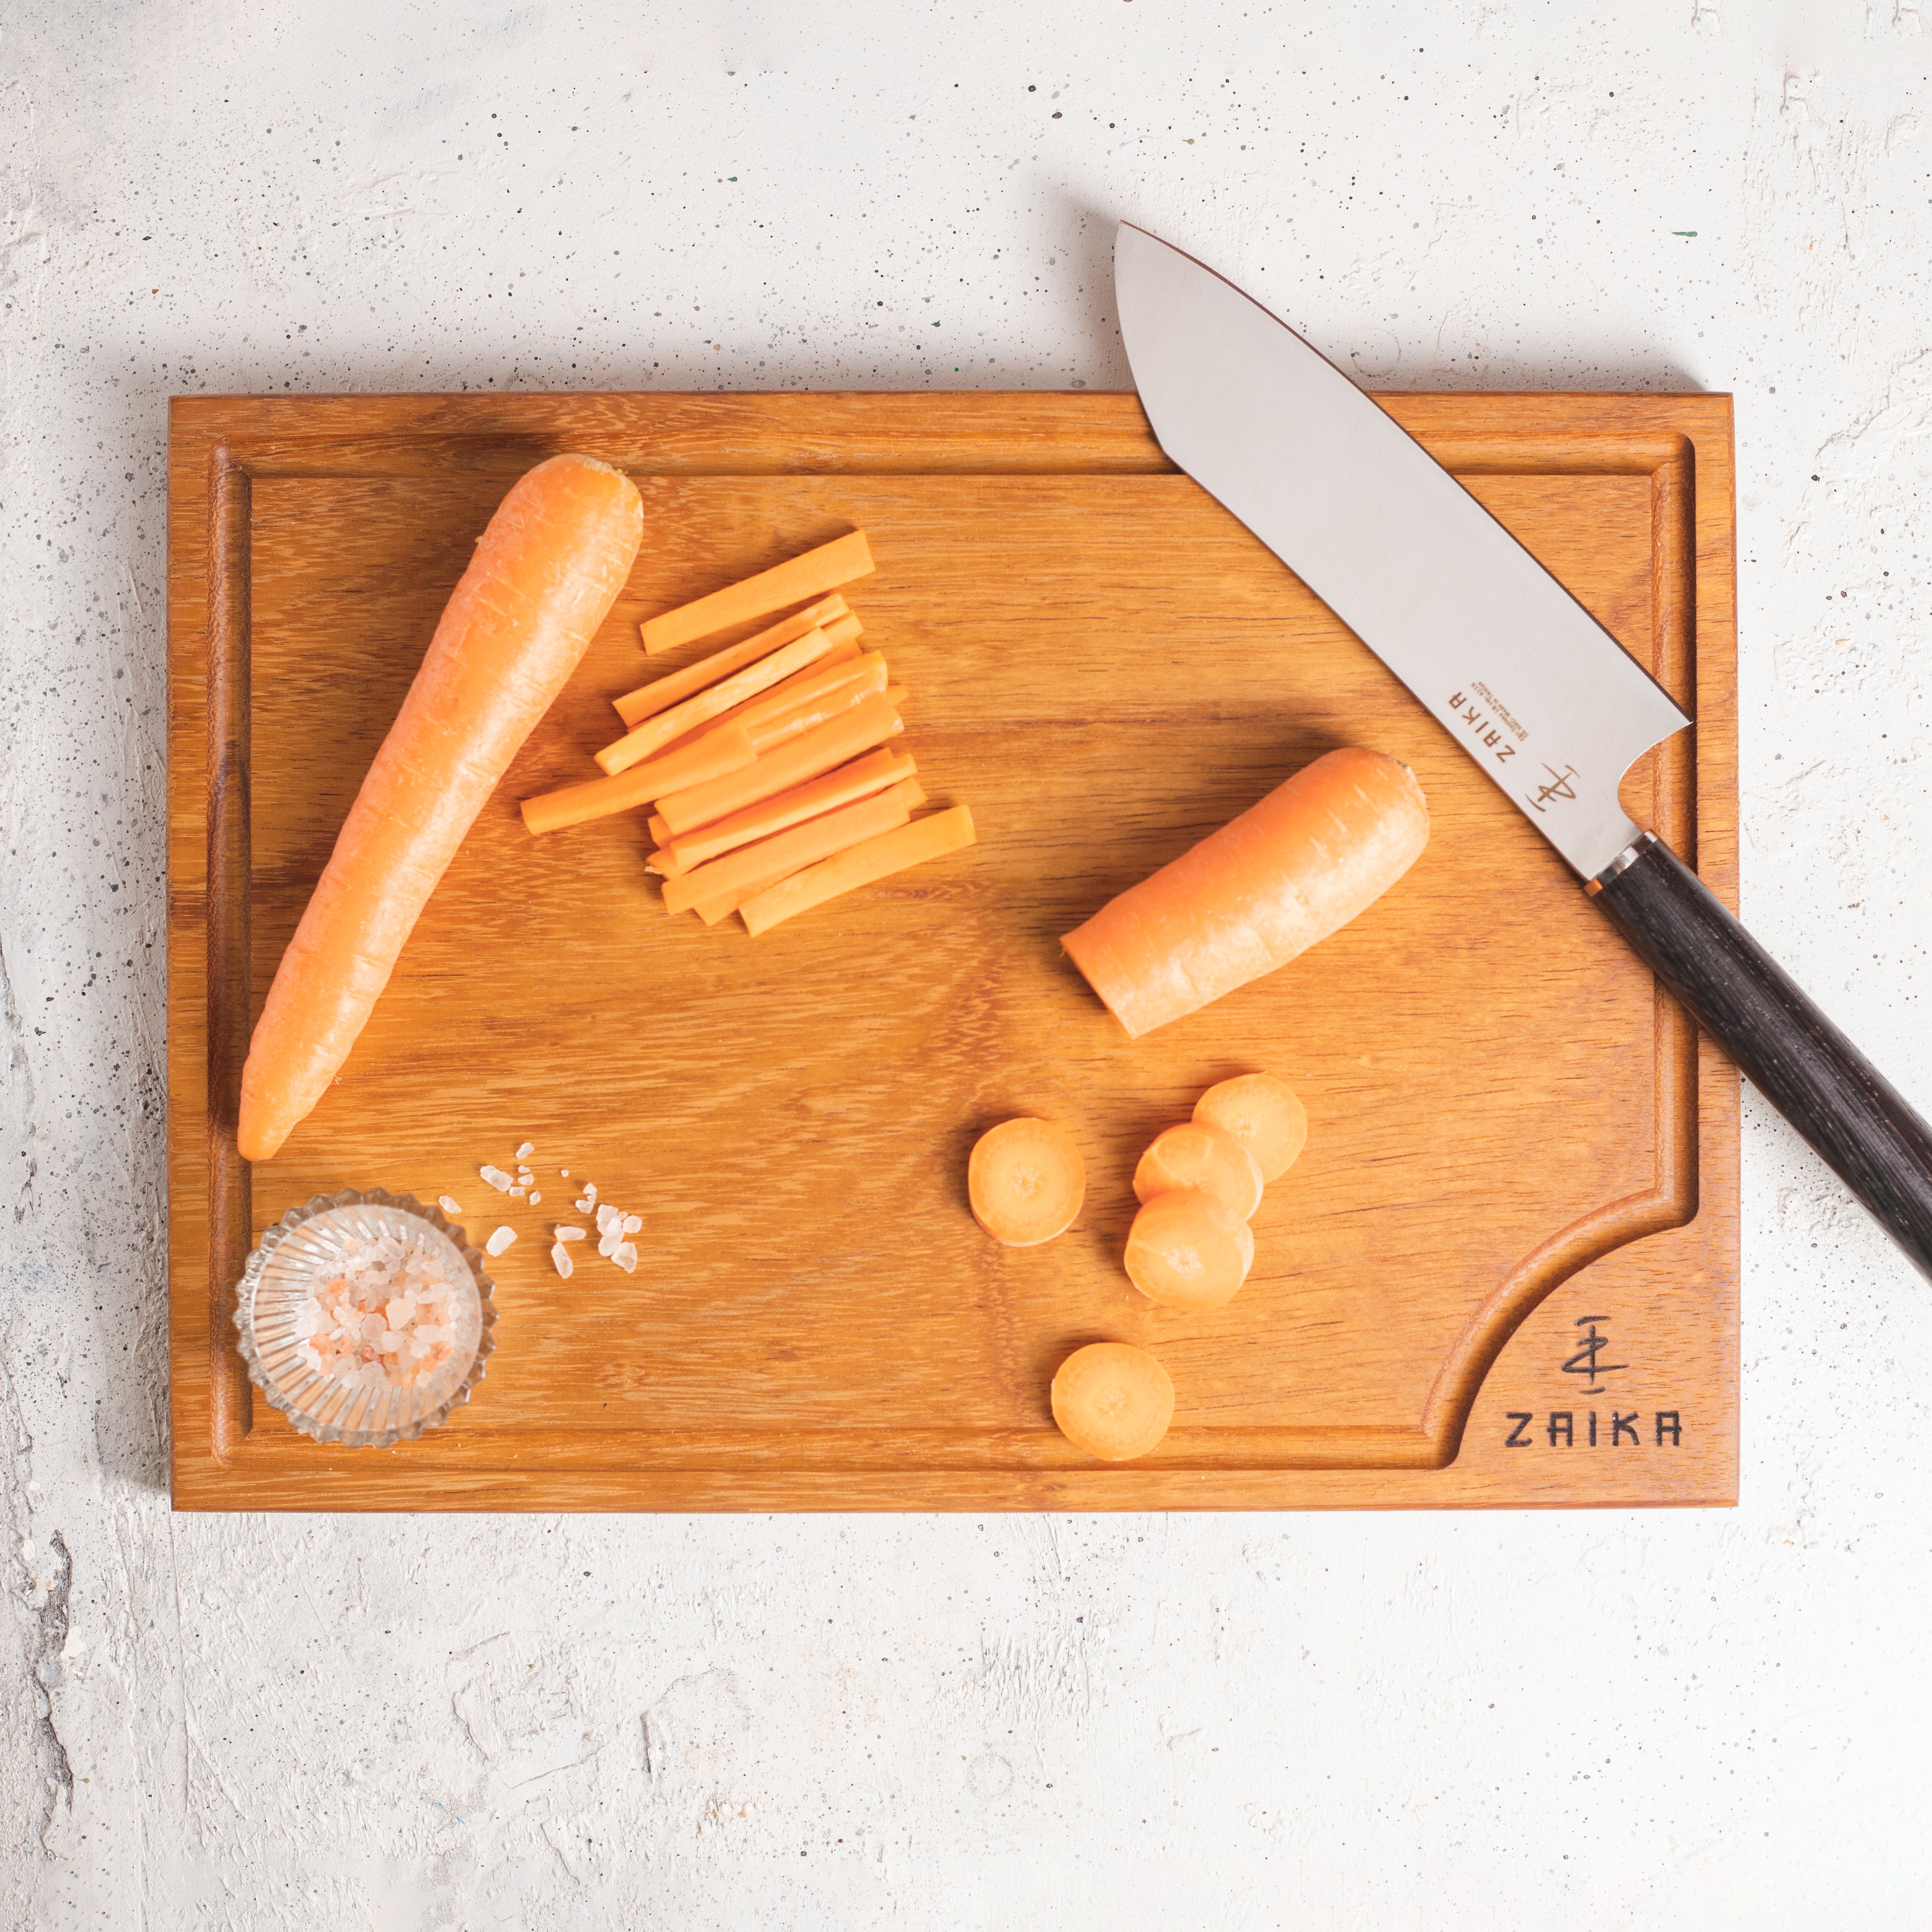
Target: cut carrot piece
[
  {"x": 860, "y": 779},
  {"x": 659, "y": 831},
  {"x": 911, "y": 844},
  {"x": 847, "y": 658},
  {"x": 1264, "y": 1114},
  {"x": 1113, "y": 1400},
  {"x": 811, "y": 575},
  {"x": 897, "y": 693},
  {"x": 1196, "y": 1155},
  {"x": 717, "y": 756},
  {"x": 1026, "y": 1181},
  {"x": 544, "y": 575},
  {"x": 662, "y": 693},
  {"x": 808, "y": 706},
  {"x": 1291, "y": 870},
  {"x": 1188, "y": 1250},
  {"x": 788, "y": 851},
  {"x": 654, "y": 734},
  {"x": 791, "y": 764}
]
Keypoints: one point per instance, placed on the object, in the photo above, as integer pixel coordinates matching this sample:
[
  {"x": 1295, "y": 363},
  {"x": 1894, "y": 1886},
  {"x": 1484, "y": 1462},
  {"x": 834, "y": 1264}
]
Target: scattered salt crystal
[
  {"x": 528, "y": 1148},
  {"x": 499, "y": 1241},
  {"x": 496, "y": 1177},
  {"x": 564, "y": 1172},
  {"x": 606, "y": 1214},
  {"x": 612, "y": 1237},
  {"x": 449, "y": 1206},
  {"x": 632, "y": 1223},
  {"x": 590, "y": 1190},
  {"x": 534, "y": 1197},
  {"x": 564, "y": 1231},
  {"x": 582, "y": 1206},
  {"x": 625, "y": 1254},
  {"x": 517, "y": 1193},
  {"x": 560, "y": 1259}
]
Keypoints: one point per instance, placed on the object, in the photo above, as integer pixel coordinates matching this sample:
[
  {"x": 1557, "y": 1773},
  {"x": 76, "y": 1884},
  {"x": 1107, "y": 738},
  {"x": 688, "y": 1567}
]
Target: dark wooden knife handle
[{"x": 1802, "y": 1064}]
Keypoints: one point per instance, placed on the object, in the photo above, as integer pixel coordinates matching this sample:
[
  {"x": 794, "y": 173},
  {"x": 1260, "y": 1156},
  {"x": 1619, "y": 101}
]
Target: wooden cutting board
[{"x": 1504, "y": 1273}]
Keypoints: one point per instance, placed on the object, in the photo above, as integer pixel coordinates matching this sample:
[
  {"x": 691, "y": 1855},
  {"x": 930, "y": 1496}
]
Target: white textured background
[{"x": 1709, "y": 1720}]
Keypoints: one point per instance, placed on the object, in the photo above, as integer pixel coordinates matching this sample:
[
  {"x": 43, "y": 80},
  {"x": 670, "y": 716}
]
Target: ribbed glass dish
[{"x": 298, "y": 1256}]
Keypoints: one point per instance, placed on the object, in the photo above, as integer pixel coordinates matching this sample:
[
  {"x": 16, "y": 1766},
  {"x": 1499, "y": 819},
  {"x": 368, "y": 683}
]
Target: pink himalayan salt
[{"x": 389, "y": 1317}]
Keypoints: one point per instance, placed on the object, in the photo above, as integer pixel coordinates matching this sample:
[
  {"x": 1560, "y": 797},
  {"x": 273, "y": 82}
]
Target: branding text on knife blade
[{"x": 1485, "y": 728}]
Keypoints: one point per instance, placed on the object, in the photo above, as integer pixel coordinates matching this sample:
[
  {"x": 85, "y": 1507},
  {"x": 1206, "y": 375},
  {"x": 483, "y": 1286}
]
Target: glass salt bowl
[{"x": 297, "y": 1258}]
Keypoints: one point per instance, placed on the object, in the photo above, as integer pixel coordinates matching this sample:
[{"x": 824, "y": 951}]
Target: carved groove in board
[
  {"x": 1671, "y": 1201},
  {"x": 230, "y": 1235}
]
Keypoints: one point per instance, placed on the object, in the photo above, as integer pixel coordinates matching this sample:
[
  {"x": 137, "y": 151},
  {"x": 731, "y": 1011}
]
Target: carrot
[
  {"x": 834, "y": 742},
  {"x": 1186, "y": 1249},
  {"x": 716, "y": 755},
  {"x": 789, "y": 851},
  {"x": 542, "y": 578},
  {"x": 1264, "y": 1114},
  {"x": 860, "y": 779},
  {"x": 654, "y": 733},
  {"x": 807, "y": 706},
  {"x": 897, "y": 693},
  {"x": 1113, "y": 1400},
  {"x": 1290, "y": 871},
  {"x": 662, "y": 693},
  {"x": 911, "y": 844},
  {"x": 1195, "y": 1155},
  {"x": 811, "y": 575},
  {"x": 1025, "y": 1180}
]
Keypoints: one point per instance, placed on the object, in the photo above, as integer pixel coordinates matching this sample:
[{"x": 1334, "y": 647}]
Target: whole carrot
[{"x": 544, "y": 576}]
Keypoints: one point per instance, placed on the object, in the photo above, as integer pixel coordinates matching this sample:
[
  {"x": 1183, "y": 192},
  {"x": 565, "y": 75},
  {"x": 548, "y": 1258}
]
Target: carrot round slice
[
  {"x": 1026, "y": 1180},
  {"x": 1113, "y": 1400},
  {"x": 1188, "y": 1250},
  {"x": 1264, "y": 1114},
  {"x": 1195, "y": 1155}
]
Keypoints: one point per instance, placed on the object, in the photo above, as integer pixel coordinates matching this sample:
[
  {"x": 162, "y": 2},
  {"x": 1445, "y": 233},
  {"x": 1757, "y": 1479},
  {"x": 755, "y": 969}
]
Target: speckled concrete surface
[{"x": 1706, "y": 1719}]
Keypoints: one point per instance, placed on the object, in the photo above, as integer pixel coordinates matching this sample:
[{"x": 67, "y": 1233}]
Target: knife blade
[{"x": 1545, "y": 700}]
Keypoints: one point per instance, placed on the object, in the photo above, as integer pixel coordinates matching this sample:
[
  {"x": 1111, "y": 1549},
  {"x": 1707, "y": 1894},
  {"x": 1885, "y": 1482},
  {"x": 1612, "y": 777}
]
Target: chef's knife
[{"x": 1544, "y": 698}]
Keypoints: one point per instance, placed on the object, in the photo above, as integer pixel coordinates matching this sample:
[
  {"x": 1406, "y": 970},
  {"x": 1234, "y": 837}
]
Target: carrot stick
[
  {"x": 1290, "y": 871},
  {"x": 893, "y": 852},
  {"x": 1264, "y": 1114},
  {"x": 1186, "y": 1249},
  {"x": 659, "y": 831},
  {"x": 810, "y": 709},
  {"x": 848, "y": 784},
  {"x": 662, "y": 693},
  {"x": 846, "y": 654},
  {"x": 1113, "y": 1400},
  {"x": 801, "y": 845},
  {"x": 542, "y": 578},
  {"x": 836, "y": 741},
  {"x": 897, "y": 693},
  {"x": 654, "y": 734},
  {"x": 715, "y": 756},
  {"x": 1025, "y": 1181},
  {"x": 714, "y": 908},
  {"x": 811, "y": 575}
]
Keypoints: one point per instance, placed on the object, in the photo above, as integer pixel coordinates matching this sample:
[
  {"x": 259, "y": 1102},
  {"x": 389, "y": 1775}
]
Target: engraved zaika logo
[
  {"x": 1559, "y": 786},
  {"x": 1565, "y": 1428},
  {"x": 1585, "y": 1361}
]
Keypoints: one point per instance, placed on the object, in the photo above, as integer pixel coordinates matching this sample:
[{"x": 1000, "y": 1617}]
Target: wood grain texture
[{"x": 1517, "y": 1140}]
